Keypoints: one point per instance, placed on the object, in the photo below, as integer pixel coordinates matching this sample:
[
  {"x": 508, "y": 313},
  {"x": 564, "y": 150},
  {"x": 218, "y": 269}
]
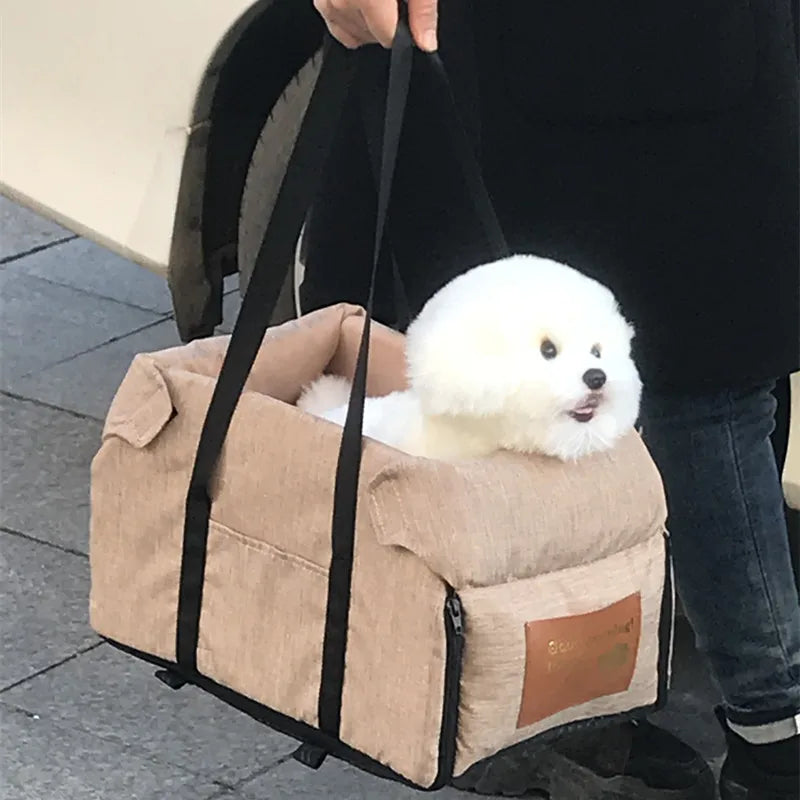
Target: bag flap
[
  {"x": 142, "y": 405},
  {"x": 292, "y": 355},
  {"x": 509, "y": 516}
]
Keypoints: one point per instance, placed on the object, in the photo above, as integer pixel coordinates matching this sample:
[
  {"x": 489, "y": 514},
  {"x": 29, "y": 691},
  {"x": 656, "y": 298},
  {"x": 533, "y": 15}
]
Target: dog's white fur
[{"x": 479, "y": 381}]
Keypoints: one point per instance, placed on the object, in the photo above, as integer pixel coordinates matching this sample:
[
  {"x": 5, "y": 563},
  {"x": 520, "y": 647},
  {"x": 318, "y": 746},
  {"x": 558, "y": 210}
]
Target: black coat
[{"x": 652, "y": 145}]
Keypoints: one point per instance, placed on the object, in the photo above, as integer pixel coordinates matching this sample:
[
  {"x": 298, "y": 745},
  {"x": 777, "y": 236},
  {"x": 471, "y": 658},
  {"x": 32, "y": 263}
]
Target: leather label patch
[{"x": 572, "y": 660}]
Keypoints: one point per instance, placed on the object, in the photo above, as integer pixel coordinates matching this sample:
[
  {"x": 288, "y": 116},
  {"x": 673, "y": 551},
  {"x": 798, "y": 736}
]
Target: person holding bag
[{"x": 654, "y": 147}]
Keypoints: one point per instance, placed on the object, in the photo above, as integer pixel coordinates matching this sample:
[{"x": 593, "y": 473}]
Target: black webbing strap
[
  {"x": 373, "y": 90},
  {"x": 276, "y": 253},
  {"x": 349, "y": 465},
  {"x": 498, "y": 246},
  {"x": 348, "y": 468}
]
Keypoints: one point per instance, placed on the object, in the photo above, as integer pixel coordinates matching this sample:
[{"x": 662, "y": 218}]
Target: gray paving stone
[
  {"x": 44, "y": 596},
  {"x": 84, "y": 265},
  {"x": 87, "y": 383},
  {"x": 116, "y": 697},
  {"x": 44, "y": 472},
  {"x": 230, "y": 283},
  {"x": 44, "y": 324},
  {"x": 21, "y": 229},
  {"x": 231, "y": 303},
  {"x": 42, "y": 761},
  {"x": 333, "y": 779}
]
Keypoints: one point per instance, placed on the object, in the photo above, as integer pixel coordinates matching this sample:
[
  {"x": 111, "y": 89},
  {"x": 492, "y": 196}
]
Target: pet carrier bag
[{"x": 410, "y": 616}]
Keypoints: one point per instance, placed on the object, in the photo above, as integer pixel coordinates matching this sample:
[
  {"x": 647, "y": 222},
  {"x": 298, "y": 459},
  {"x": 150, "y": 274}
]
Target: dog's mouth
[{"x": 585, "y": 410}]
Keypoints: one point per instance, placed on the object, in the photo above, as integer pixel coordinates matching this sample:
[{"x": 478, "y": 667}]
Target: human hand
[{"x": 358, "y": 22}]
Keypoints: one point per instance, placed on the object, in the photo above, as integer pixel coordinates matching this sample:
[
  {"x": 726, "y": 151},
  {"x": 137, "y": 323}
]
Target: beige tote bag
[{"x": 410, "y": 616}]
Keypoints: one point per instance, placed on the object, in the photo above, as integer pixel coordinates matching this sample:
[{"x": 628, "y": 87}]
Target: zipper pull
[{"x": 456, "y": 617}]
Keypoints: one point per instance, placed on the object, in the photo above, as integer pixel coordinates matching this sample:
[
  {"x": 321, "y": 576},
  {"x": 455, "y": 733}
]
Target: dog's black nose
[{"x": 594, "y": 378}]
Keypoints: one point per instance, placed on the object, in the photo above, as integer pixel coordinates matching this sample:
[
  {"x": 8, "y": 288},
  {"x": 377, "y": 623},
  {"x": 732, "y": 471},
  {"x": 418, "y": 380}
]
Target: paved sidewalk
[{"x": 78, "y": 720}]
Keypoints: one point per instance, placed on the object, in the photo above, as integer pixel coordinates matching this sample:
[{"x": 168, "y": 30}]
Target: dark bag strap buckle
[{"x": 309, "y": 755}]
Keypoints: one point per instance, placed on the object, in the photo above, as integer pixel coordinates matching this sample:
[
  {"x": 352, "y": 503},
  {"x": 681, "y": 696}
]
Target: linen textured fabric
[{"x": 522, "y": 540}]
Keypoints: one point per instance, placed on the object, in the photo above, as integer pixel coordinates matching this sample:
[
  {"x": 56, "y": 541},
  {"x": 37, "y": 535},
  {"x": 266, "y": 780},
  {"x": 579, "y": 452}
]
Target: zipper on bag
[{"x": 454, "y": 636}]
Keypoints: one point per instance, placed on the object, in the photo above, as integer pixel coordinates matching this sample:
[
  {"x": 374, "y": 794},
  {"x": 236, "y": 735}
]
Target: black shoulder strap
[
  {"x": 277, "y": 250},
  {"x": 294, "y": 198},
  {"x": 348, "y": 468}
]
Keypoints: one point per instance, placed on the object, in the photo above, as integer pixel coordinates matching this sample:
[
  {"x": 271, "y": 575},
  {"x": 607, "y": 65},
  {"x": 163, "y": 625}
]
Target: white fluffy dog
[{"x": 522, "y": 354}]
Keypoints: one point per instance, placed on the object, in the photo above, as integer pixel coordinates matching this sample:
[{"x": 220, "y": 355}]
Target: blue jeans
[{"x": 731, "y": 553}]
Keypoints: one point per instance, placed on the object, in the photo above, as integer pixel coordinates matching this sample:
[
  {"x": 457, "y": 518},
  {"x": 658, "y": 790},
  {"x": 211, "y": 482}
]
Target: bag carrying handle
[
  {"x": 295, "y": 197},
  {"x": 345, "y": 494},
  {"x": 349, "y": 462}
]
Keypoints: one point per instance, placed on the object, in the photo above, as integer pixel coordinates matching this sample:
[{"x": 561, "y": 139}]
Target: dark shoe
[
  {"x": 759, "y": 771},
  {"x": 628, "y": 761}
]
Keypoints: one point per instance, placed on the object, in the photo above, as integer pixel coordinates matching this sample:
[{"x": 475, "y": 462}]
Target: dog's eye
[
  {"x": 595, "y": 351},
  {"x": 548, "y": 349}
]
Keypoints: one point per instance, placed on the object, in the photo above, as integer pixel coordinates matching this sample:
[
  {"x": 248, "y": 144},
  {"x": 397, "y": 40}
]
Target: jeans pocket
[{"x": 579, "y": 60}]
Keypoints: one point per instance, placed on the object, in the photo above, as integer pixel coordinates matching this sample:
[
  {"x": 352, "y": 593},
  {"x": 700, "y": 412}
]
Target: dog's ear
[
  {"x": 630, "y": 330},
  {"x": 467, "y": 374}
]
